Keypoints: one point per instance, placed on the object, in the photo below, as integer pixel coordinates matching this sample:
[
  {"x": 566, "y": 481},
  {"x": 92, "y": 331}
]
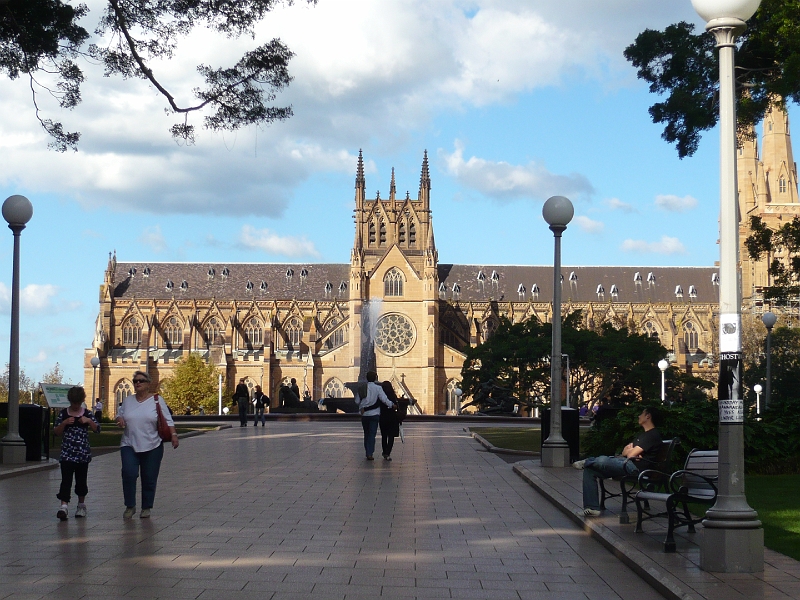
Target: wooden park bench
[
  {"x": 630, "y": 484},
  {"x": 694, "y": 484}
]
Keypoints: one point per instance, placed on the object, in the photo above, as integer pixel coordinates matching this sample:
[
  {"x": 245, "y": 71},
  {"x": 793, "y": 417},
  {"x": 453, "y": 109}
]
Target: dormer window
[
  {"x": 715, "y": 279},
  {"x": 481, "y": 276},
  {"x": 170, "y": 285},
  {"x": 146, "y": 272},
  {"x": 211, "y": 273},
  {"x": 637, "y": 278},
  {"x": 521, "y": 291},
  {"x": 614, "y": 291},
  {"x": 184, "y": 285},
  {"x": 289, "y": 274},
  {"x": 495, "y": 277},
  {"x": 303, "y": 273},
  {"x": 456, "y": 291},
  {"x": 249, "y": 286},
  {"x": 678, "y": 291},
  {"x": 442, "y": 291},
  {"x": 573, "y": 277},
  {"x": 263, "y": 286},
  {"x": 692, "y": 292},
  {"x": 225, "y": 272},
  {"x": 328, "y": 288},
  {"x": 132, "y": 272},
  {"x": 601, "y": 291},
  {"x": 342, "y": 288},
  {"x": 651, "y": 279},
  {"x": 535, "y": 291}
]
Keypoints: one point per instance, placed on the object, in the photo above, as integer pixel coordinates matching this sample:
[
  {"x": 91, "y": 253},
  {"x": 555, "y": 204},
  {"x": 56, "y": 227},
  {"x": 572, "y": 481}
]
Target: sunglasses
[{"x": 139, "y": 381}]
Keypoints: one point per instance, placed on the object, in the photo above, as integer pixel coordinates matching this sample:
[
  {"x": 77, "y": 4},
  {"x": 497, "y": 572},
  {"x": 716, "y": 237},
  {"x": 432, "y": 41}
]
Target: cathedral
[{"x": 269, "y": 323}]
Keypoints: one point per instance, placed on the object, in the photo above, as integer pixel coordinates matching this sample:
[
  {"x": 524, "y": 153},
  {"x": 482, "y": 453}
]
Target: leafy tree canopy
[
  {"x": 44, "y": 37},
  {"x": 764, "y": 241},
  {"x": 682, "y": 66},
  {"x": 193, "y": 385},
  {"x": 610, "y": 365}
]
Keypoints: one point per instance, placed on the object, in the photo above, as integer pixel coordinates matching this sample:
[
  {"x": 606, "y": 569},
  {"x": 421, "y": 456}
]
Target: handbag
[{"x": 164, "y": 432}]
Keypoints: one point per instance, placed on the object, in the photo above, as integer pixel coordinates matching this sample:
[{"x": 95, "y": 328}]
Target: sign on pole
[{"x": 56, "y": 394}]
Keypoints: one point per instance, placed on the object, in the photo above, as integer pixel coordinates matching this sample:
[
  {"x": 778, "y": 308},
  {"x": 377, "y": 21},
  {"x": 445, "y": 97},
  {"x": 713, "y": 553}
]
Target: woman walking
[
  {"x": 141, "y": 448},
  {"x": 389, "y": 423}
]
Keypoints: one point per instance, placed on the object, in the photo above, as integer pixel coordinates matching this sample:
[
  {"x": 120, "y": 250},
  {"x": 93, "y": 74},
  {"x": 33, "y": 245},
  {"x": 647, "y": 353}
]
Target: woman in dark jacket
[{"x": 390, "y": 425}]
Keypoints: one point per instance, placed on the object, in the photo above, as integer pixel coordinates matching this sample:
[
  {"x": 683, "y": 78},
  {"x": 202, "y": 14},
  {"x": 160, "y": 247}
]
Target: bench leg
[
  {"x": 624, "y": 519},
  {"x": 669, "y": 543},
  {"x": 688, "y": 518},
  {"x": 638, "y": 528}
]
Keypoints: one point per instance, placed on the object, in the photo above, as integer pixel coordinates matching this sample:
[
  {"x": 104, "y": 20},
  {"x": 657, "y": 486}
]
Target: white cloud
[
  {"x": 505, "y": 182},
  {"x": 34, "y": 299},
  {"x": 676, "y": 203},
  {"x": 264, "y": 239},
  {"x": 39, "y": 358},
  {"x": 666, "y": 245},
  {"x": 588, "y": 225},
  {"x": 153, "y": 238},
  {"x": 617, "y": 204}
]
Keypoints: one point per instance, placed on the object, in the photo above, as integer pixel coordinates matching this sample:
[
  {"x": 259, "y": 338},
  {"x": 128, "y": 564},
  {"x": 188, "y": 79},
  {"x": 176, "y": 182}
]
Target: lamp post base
[
  {"x": 732, "y": 550},
  {"x": 13, "y": 453},
  {"x": 555, "y": 456}
]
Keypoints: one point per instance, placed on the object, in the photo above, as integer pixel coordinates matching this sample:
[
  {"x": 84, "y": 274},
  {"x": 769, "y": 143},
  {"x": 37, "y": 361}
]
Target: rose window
[{"x": 394, "y": 334}]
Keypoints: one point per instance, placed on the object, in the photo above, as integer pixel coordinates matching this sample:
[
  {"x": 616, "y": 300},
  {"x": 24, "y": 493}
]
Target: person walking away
[
  {"x": 369, "y": 408},
  {"x": 294, "y": 388},
  {"x": 141, "y": 448},
  {"x": 73, "y": 424},
  {"x": 642, "y": 450},
  {"x": 260, "y": 401},
  {"x": 98, "y": 411},
  {"x": 242, "y": 396},
  {"x": 389, "y": 421}
]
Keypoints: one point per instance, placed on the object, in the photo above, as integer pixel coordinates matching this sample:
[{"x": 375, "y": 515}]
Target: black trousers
[
  {"x": 80, "y": 471},
  {"x": 387, "y": 438}
]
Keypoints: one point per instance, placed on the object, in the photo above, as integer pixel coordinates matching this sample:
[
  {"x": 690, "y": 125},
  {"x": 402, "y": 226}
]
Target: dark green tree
[
  {"x": 193, "y": 385},
  {"x": 681, "y": 66},
  {"x": 44, "y": 37},
  {"x": 765, "y": 241}
]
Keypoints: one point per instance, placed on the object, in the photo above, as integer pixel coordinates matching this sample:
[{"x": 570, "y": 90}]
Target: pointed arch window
[
  {"x": 382, "y": 239},
  {"x": 213, "y": 331},
  {"x": 782, "y": 184},
  {"x": 453, "y": 399},
  {"x": 691, "y": 336},
  {"x": 294, "y": 334},
  {"x": 401, "y": 233},
  {"x": 371, "y": 235},
  {"x": 132, "y": 332},
  {"x": 334, "y": 388},
  {"x": 123, "y": 390},
  {"x": 173, "y": 333},
  {"x": 488, "y": 328},
  {"x": 393, "y": 283},
  {"x": 650, "y": 330},
  {"x": 412, "y": 234},
  {"x": 253, "y": 334}
]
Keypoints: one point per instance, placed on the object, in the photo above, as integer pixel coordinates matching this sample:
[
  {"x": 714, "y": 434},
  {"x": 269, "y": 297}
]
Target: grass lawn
[
  {"x": 777, "y": 500},
  {"x": 513, "y": 438}
]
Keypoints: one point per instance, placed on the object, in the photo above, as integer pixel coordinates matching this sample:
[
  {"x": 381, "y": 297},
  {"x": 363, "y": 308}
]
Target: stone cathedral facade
[{"x": 272, "y": 322}]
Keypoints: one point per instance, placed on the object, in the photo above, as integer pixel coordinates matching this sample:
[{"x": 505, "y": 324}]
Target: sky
[{"x": 514, "y": 101}]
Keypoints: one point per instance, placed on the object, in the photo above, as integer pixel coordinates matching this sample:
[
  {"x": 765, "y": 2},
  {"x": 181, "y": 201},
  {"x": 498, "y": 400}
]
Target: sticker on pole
[
  {"x": 730, "y": 333},
  {"x": 731, "y": 403}
]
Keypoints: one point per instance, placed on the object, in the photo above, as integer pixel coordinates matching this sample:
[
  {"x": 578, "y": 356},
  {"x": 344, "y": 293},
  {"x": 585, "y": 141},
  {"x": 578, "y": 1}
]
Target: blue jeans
[
  {"x": 149, "y": 463},
  {"x": 259, "y": 413},
  {"x": 370, "y": 425},
  {"x": 602, "y": 466}
]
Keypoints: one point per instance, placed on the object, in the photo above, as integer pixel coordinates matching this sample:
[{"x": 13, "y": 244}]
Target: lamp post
[
  {"x": 458, "y": 393},
  {"x": 17, "y": 211},
  {"x": 769, "y": 319},
  {"x": 733, "y": 540},
  {"x": 95, "y": 362},
  {"x": 569, "y": 405},
  {"x": 663, "y": 365},
  {"x": 757, "y": 389},
  {"x": 558, "y": 212}
]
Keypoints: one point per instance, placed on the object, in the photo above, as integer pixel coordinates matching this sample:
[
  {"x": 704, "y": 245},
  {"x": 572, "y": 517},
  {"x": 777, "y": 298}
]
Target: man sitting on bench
[{"x": 644, "y": 446}]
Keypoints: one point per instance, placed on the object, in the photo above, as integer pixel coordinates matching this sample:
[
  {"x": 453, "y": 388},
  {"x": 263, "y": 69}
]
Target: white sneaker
[
  {"x": 80, "y": 512},
  {"x": 578, "y": 464},
  {"x": 590, "y": 512},
  {"x": 62, "y": 512}
]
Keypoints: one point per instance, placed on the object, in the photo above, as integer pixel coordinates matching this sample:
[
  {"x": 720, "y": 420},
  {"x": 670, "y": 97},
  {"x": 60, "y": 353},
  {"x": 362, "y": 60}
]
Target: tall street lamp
[
  {"x": 733, "y": 540},
  {"x": 758, "y": 389},
  {"x": 769, "y": 319},
  {"x": 558, "y": 212},
  {"x": 17, "y": 211},
  {"x": 663, "y": 365},
  {"x": 95, "y": 362}
]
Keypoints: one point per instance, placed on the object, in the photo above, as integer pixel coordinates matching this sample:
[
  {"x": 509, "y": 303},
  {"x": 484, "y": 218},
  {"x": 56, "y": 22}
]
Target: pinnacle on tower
[
  {"x": 392, "y": 188},
  {"x": 425, "y": 176},
  {"x": 360, "y": 180}
]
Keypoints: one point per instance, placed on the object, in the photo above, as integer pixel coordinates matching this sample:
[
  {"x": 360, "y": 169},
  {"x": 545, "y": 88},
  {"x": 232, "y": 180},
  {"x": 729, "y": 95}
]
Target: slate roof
[{"x": 580, "y": 283}]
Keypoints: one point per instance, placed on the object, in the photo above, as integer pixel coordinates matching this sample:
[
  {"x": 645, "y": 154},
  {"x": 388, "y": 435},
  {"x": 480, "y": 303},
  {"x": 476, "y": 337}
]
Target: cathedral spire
[
  {"x": 392, "y": 190},
  {"x": 425, "y": 181},
  {"x": 780, "y": 171},
  {"x": 361, "y": 182}
]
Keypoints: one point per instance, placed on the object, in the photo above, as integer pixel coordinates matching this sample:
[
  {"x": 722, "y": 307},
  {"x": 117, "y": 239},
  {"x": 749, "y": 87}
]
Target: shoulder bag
[{"x": 164, "y": 432}]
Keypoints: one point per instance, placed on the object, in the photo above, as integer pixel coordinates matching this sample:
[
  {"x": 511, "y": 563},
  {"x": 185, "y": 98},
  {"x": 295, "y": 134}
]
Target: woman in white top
[{"x": 141, "y": 448}]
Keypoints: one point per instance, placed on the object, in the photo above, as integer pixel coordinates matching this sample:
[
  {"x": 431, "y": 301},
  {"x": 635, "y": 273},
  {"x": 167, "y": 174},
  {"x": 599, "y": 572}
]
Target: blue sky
[{"x": 513, "y": 100}]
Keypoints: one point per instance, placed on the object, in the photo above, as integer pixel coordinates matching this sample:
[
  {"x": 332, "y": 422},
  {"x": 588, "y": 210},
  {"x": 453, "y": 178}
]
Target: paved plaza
[{"x": 294, "y": 511}]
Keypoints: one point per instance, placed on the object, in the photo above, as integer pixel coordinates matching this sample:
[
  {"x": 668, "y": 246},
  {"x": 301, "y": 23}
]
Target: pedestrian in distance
[
  {"x": 141, "y": 448},
  {"x": 242, "y": 397},
  {"x": 260, "y": 402},
  {"x": 98, "y": 410},
  {"x": 369, "y": 407},
  {"x": 389, "y": 421},
  {"x": 73, "y": 425}
]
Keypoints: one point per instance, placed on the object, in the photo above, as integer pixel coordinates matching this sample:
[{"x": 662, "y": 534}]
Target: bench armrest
[
  {"x": 675, "y": 480},
  {"x": 648, "y": 475}
]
